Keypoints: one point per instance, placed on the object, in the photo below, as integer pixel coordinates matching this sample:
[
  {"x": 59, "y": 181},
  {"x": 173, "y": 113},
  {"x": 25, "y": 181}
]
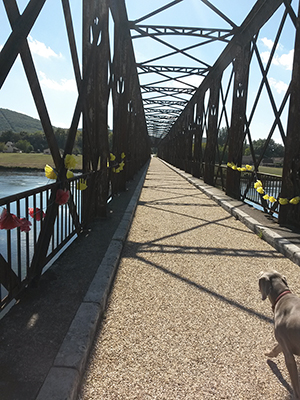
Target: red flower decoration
[
  {"x": 25, "y": 225},
  {"x": 36, "y": 214},
  {"x": 62, "y": 196},
  {"x": 8, "y": 220}
]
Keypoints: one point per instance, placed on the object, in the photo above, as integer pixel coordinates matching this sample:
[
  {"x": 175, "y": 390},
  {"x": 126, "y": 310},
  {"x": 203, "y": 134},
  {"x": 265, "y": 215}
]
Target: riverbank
[{"x": 31, "y": 161}]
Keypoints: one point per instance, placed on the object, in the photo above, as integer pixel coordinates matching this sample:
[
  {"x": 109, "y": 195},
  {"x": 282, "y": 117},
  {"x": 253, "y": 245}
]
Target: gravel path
[{"x": 185, "y": 318}]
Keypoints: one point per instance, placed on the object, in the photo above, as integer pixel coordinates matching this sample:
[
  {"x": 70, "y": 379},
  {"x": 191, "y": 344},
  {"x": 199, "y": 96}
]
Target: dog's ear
[{"x": 264, "y": 286}]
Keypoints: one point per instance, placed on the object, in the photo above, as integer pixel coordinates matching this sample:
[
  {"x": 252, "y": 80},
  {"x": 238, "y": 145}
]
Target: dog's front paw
[
  {"x": 271, "y": 354},
  {"x": 274, "y": 353}
]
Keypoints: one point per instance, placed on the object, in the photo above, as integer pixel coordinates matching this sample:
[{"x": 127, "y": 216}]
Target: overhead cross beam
[
  {"x": 168, "y": 68},
  {"x": 158, "y": 30}
]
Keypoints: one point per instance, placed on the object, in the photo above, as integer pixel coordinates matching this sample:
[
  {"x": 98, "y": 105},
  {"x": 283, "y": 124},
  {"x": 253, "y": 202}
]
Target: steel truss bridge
[{"x": 169, "y": 86}]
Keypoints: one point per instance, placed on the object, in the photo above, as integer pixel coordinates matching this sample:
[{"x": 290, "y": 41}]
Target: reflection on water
[{"x": 12, "y": 182}]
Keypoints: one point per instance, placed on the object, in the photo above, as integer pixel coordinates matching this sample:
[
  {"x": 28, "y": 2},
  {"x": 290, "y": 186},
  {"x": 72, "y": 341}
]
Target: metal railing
[
  {"x": 17, "y": 248},
  {"x": 271, "y": 184}
]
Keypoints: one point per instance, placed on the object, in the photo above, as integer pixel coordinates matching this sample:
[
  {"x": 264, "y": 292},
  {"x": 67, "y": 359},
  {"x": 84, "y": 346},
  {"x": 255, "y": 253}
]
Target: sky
[{"x": 49, "y": 46}]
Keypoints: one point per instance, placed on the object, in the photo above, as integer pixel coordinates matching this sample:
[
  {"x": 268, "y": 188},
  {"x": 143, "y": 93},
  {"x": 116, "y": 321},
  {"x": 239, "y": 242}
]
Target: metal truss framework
[
  {"x": 160, "y": 100},
  {"x": 191, "y": 141},
  {"x": 101, "y": 76}
]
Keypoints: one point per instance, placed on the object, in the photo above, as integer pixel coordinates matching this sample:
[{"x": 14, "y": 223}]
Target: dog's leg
[
  {"x": 292, "y": 368},
  {"x": 274, "y": 353}
]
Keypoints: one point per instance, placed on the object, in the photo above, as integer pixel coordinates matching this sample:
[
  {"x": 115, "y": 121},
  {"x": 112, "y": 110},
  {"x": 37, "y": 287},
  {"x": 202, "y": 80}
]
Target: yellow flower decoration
[
  {"x": 112, "y": 157},
  {"x": 49, "y": 172},
  {"x": 266, "y": 197},
  {"x": 81, "y": 185},
  {"x": 123, "y": 156},
  {"x": 260, "y": 190},
  {"x": 232, "y": 165},
  {"x": 243, "y": 169},
  {"x": 70, "y": 161},
  {"x": 257, "y": 184},
  {"x": 117, "y": 170},
  {"x": 239, "y": 169},
  {"x": 248, "y": 167},
  {"x": 70, "y": 174},
  {"x": 272, "y": 199},
  {"x": 283, "y": 201},
  {"x": 295, "y": 200},
  {"x": 121, "y": 165}
]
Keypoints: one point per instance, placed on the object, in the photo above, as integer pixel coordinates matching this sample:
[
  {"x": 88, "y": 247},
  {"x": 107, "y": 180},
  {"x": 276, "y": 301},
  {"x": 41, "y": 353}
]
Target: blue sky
[{"x": 49, "y": 46}]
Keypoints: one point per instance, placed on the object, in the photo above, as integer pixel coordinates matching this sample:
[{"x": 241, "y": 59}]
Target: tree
[
  {"x": 24, "y": 146},
  {"x": 2, "y": 147},
  {"x": 222, "y": 136},
  {"x": 61, "y": 137},
  {"x": 10, "y": 136},
  {"x": 37, "y": 140},
  {"x": 273, "y": 150}
]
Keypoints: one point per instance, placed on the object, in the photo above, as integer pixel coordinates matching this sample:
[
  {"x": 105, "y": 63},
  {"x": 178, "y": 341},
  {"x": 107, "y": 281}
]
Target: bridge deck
[{"x": 185, "y": 319}]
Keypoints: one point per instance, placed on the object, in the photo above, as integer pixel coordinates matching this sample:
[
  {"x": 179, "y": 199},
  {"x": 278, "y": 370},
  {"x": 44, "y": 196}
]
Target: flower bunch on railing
[
  {"x": 259, "y": 188},
  {"x": 70, "y": 163},
  {"x": 240, "y": 169},
  {"x": 10, "y": 221},
  {"x": 281, "y": 200},
  {"x": 116, "y": 167}
]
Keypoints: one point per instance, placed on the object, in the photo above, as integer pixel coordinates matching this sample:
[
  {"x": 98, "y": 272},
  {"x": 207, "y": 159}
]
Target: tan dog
[{"x": 286, "y": 307}]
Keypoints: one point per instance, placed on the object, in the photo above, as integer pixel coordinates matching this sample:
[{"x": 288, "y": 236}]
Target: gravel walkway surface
[{"x": 185, "y": 319}]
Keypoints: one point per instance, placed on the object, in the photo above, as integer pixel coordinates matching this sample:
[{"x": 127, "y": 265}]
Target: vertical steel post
[
  {"x": 197, "y": 156},
  {"x": 212, "y": 134},
  {"x": 290, "y": 214},
  {"x": 238, "y": 115},
  {"x": 95, "y": 130}
]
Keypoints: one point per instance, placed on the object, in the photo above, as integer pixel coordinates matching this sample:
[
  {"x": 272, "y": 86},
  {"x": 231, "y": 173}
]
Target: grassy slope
[
  {"x": 17, "y": 122},
  {"x": 23, "y": 160}
]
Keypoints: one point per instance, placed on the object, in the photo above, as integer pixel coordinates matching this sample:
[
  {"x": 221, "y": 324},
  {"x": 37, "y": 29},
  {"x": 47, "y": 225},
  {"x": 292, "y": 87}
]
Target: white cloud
[
  {"x": 267, "y": 42},
  {"x": 64, "y": 85},
  {"x": 285, "y": 60},
  {"x": 279, "y": 86},
  {"x": 265, "y": 55},
  {"x": 41, "y": 49}
]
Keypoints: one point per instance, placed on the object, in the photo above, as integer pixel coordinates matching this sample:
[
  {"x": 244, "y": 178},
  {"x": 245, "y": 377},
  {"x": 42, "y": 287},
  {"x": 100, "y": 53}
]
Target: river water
[{"x": 12, "y": 182}]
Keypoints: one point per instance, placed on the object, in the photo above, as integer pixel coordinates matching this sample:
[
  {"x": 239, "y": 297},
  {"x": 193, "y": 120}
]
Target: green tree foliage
[
  {"x": 273, "y": 150},
  {"x": 61, "y": 137},
  {"x": 38, "y": 140},
  {"x": 222, "y": 136},
  {"x": 2, "y": 147},
  {"x": 10, "y": 136},
  {"x": 24, "y": 146}
]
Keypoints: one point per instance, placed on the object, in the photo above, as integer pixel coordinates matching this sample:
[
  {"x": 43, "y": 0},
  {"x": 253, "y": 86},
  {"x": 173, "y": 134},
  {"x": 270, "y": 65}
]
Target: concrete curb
[
  {"x": 281, "y": 244},
  {"x": 63, "y": 379}
]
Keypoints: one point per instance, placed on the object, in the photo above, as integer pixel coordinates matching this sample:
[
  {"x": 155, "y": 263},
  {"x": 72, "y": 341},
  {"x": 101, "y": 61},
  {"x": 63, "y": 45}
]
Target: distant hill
[{"x": 17, "y": 122}]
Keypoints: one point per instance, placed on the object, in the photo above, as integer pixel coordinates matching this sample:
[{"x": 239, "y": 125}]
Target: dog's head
[{"x": 265, "y": 282}]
